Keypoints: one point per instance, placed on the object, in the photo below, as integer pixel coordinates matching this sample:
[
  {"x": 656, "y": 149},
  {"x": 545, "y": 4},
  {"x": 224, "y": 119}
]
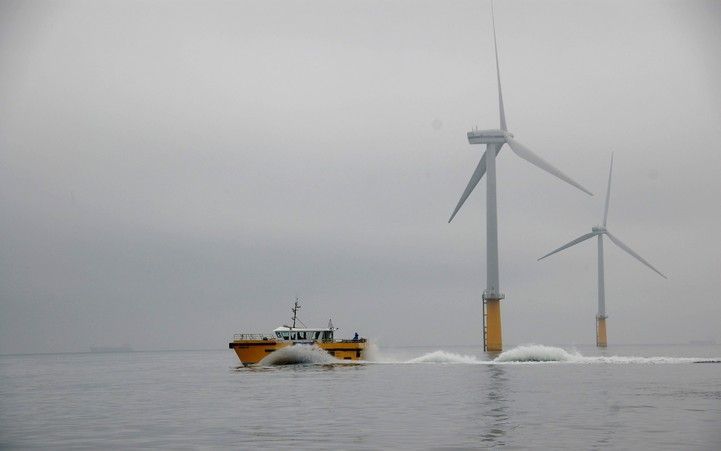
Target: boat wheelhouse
[{"x": 301, "y": 335}]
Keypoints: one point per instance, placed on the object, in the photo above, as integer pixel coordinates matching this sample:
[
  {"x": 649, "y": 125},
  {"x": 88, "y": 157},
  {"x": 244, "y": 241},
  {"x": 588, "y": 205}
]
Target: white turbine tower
[
  {"x": 599, "y": 231},
  {"x": 494, "y": 141}
]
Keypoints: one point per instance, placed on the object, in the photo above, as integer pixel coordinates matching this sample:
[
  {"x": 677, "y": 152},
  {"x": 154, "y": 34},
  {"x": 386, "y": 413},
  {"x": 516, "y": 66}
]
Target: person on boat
[{"x": 355, "y": 337}]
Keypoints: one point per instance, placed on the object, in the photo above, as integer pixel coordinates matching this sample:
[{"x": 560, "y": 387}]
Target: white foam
[
  {"x": 533, "y": 353},
  {"x": 645, "y": 360},
  {"x": 298, "y": 354},
  {"x": 372, "y": 352},
  {"x": 524, "y": 354},
  {"x": 536, "y": 354},
  {"x": 446, "y": 357}
]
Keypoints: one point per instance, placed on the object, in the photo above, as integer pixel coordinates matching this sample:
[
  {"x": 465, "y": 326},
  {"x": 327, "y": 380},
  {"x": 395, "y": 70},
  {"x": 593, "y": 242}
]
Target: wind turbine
[
  {"x": 494, "y": 141},
  {"x": 599, "y": 231}
]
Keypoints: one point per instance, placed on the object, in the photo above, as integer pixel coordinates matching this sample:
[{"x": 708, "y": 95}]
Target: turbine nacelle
[
  {"x": 488, "y": 136},
  {"x": 598, "y": 230}
]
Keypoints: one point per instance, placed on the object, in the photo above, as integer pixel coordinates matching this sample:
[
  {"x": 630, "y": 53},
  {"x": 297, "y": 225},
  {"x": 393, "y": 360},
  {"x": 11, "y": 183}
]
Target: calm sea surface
[{"x": 408, "y": 398}]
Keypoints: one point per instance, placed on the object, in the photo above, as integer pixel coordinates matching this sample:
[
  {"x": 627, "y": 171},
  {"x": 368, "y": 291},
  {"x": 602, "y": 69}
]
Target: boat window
[
  {"x": 327, "y": 335},
  {"x": 317, "y": 335},
  {"x": 286, "y": 335},
  {"x": 292, "y": 336},
  {"x": 301, "y": 335},
  {"x": 277, "y": 334}
]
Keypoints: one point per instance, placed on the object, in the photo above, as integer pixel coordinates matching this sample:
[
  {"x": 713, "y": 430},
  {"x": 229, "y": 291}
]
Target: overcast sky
[{"x": 173, "y": 172}]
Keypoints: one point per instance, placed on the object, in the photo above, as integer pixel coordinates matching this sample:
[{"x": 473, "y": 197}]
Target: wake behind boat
[{"x": 251, "y": 348}]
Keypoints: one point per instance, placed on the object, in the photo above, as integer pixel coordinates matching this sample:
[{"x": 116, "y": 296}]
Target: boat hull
[{"x": 253, "y": 351}]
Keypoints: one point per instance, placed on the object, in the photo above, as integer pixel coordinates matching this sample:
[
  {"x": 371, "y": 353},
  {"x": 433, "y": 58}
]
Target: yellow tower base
[
  {"x": 494, "y": 342},
  {"x": 601, "y": 332}
]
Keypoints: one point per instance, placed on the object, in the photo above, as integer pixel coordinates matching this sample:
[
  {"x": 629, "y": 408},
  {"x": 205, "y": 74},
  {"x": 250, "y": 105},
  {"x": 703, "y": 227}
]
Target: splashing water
[
  {"x": 298, "y": 354},
  {"x": 524, "y": 354},
  {"x": 445, "y": 357},
  {"x": 539, "y": 353},
  {"x": 535, "y": 354}
]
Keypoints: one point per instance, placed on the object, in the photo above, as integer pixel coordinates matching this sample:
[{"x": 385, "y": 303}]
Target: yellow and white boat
[{"x": 252, "y": 348}]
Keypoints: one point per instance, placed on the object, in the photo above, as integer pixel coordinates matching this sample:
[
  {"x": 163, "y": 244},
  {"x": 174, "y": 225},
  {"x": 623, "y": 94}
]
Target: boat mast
[{"x": 296, "y": 307}]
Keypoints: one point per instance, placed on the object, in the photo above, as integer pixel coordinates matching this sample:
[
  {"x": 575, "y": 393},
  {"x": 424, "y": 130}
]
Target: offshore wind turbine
[
  {"x": 600, "y": 231},
  {"x": 494, "y": 141}
]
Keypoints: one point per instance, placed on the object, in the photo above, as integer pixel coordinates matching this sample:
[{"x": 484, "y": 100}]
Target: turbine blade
[
  {"x": 475, "y": 178},
  {"x": 576, "y": 241},
  {"x": 525, "y": 153},
  {"x": 501, "y": 110},
  {"x": 608, "y": 192},
  {"x": 620, "y": 244}
]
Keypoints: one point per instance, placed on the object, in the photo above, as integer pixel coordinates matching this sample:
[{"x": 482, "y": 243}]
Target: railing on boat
[
  {"x": 251, "y": 337},
  {"x": 267, "y": 337}
]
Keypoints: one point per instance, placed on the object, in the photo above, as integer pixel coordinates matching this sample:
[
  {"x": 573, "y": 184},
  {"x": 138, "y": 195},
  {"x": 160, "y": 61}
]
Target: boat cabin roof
[{"x": 299, "y": 329}]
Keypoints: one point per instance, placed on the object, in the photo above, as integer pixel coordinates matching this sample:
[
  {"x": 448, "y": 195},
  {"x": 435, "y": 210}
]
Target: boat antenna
[{"x": 296, "y": 307}]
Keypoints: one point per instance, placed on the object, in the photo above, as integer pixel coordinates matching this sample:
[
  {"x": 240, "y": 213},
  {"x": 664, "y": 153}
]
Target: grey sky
[{"x": 172, "y": 172}]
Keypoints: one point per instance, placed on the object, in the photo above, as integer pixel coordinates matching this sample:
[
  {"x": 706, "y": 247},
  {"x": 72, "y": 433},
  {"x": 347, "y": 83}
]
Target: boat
[{"x": 251, "y": 348}]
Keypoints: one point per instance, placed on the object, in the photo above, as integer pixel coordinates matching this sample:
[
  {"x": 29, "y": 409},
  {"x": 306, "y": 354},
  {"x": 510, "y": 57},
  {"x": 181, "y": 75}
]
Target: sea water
[{"x": 652, "y": 397}]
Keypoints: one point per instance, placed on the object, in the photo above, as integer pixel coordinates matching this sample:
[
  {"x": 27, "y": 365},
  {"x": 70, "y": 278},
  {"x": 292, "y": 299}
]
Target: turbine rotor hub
[{"x": 598, "y": 229}]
